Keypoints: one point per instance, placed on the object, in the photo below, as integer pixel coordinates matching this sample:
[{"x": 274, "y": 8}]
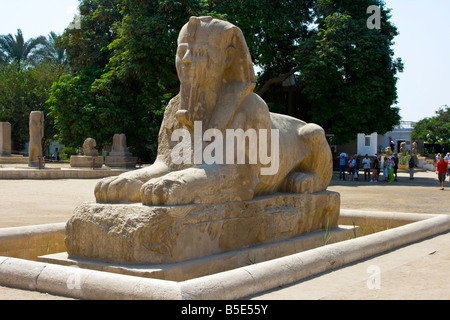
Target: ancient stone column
[
  {"x": 5, "y": 139},
  {"x": 36, "y": 135}
]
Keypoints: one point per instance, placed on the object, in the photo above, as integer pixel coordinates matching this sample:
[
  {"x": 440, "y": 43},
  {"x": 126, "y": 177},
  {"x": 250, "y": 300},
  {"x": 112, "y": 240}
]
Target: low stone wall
[
  {"x": 376, "y": 221},
  {"x": 238, "y": 283},
  {"x": 32, "y": 241},
  {"x": 214, "y": 263},
  {"x": 58, "y": 173},
  {"x": 13, "y": 159}
]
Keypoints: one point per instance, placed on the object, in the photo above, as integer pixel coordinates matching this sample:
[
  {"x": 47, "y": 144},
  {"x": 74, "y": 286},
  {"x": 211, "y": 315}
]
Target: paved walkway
[{"x": 417, "y": 271}]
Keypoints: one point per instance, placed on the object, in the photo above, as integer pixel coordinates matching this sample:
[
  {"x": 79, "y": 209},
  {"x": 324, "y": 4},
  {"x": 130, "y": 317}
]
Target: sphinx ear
[{"x": 230, "y": 53}]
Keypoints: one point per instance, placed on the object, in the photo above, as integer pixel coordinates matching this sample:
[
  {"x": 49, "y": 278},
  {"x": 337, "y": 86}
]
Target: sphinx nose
[{"x": 186, "y": 59}]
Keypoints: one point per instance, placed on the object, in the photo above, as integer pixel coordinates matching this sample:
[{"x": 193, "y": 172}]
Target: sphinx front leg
[
  {"x": 126, "y": 187},
  {"x": 202, "y": 184}
]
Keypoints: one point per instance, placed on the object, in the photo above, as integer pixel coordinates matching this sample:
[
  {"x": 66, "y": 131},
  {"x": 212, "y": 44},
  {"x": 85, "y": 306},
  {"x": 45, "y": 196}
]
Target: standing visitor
[
  {"x": 391, "y": 166},
  {"x": 366, "y": 167},
  {"x": 375, "y": 169},
  {"x": 411, "y": 165},
  {"x": 396, "y": 160},
  {"x": 351, "y": 169},
  {"x": 57, "y": 158},
  {"x": 357, "y": 166},
  {"x": 342, "y": 163},
  {"x": 385, "y": 168},
  {"x": 441, "y": 170},
  {"x": 447, "y": 158}
]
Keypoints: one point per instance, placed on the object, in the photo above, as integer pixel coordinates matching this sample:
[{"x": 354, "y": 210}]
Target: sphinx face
[{"x": 200, "y": 64}]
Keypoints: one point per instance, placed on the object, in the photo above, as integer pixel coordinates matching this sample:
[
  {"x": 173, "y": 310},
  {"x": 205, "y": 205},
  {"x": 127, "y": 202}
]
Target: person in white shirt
[{"x": 366, "y": 167}]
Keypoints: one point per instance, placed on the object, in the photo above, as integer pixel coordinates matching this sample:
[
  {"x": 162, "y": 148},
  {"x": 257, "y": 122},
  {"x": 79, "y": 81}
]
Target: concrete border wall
[
  {"x": 234, "y": 284},
  {"x": 31, "y": 241},
  {"x": 58, "y": 173}
]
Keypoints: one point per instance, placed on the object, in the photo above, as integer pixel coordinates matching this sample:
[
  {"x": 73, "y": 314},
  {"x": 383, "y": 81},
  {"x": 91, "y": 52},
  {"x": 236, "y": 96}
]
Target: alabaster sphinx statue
[
  {"x": 228, "y": 175},
  {"x": 216, "y": 97}
]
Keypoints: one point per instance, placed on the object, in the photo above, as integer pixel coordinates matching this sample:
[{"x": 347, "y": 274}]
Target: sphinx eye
[{"x": 201, "y": 52}]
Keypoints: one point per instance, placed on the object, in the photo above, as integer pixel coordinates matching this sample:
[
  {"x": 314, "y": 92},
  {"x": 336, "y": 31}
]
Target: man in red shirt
[{"x": 441, "y": 170}]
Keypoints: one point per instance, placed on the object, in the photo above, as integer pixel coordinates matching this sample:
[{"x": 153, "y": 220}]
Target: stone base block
[
  {"x": 13, "y": 159},
  {"x": 86, "y": 162},
  {"x": 138, "y": 234},
  {"x": 217, "y": 262},
  {"x": 120, "y": 161}
]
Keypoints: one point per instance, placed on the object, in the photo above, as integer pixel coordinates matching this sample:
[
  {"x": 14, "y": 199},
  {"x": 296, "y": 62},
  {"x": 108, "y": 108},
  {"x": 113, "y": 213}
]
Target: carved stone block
[{"x": 139, "y": 234}]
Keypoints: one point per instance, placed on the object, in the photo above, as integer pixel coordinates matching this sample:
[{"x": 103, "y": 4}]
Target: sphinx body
[{"x": 216, "y": 89}]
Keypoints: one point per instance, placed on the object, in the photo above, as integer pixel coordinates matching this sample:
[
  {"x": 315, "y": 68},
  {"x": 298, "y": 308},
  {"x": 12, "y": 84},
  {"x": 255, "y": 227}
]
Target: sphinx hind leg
[
  {"x": 312, "y": 173},
  {"x": 299, "y": 182}
]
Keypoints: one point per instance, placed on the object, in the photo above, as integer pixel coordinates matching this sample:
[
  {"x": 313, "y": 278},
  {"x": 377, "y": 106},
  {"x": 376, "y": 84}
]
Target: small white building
[{"x": 375, "y": 143}]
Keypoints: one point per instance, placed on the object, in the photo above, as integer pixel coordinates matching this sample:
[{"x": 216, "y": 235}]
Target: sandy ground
[
  {"x": 30, "y": 202},
  {"x": 420, "y": 195},
  {"x": 421, "y": 266}
]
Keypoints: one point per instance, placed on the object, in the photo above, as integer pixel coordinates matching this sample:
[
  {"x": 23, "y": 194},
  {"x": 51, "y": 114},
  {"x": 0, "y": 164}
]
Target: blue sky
[{"x": 423, "y": 44}]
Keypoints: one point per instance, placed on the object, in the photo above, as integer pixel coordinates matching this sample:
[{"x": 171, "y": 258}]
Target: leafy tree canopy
[
  {"x": 434, "y": 130},
  {"x": 348, "y": 71},
  {"x": 27, "y": 71},
  {"x": 22, "y": 92},
  {"x": 123, "y": 71},
  {"x": 16, "y": 49}
]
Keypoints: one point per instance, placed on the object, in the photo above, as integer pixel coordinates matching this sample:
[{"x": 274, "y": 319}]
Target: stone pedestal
[
  {"x": 138, "y": 234},
  {"x": 13, "y": 159},
  {"x": 5, "y": 139},
  {"x": 86, "y": 161},
  {"x": 121, "y": 160}
]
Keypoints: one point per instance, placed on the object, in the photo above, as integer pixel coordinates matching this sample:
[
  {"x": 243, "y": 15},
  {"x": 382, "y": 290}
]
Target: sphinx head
[{"x": 211, "y": 55}]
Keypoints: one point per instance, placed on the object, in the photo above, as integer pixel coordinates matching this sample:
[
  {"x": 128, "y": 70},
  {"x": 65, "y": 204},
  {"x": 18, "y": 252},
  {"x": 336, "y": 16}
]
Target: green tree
[
  {"x": 16, "y": 49},
  {"x": 56, "y": 52},
  {"x": 275, "y": 32},
  {"x": 122, "y": 59},
  {"x": 123, "y": 71},
  {"x": 434, "y": 130},
  {"x": 24, "y": 91},
  {"x": 348, "y": 71},
  {"x": 3, "y": 57},
  {"x": 75, "y": 106}
]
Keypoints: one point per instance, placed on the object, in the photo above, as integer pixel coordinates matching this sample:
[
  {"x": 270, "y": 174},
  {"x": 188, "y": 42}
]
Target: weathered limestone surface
[
  {"x": 189, "y": 208},
  {"x": 89, "y": 147},
  {"x": 217, "y": 84},
  {"x": 139, "y": 234},
  {"x": 86, "y": 161},
  {"x": 5, "y": 139},
  {"x": 36, "y": 127},
  {"x": 119, "y": 156},
  {"x": 90, "y": 159}
]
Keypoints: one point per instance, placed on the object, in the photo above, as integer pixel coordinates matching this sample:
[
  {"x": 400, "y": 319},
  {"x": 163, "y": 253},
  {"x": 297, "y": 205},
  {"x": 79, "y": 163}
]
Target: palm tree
[
  {"x": 56, "y": 51},
  {"x": 3, "y": 57},
  {"x": 16, "y": 49}
]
